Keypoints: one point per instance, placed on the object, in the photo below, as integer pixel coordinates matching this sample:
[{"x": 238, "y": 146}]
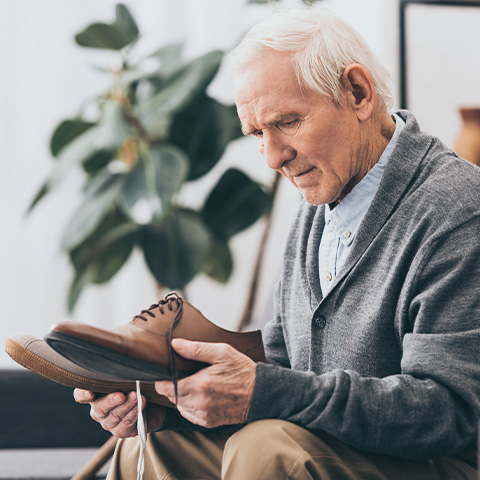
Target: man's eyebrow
[
  {"x": 246, "y": 131},
  {"x": 280, "y": 118},
  {"x": 276, "y": 120}
]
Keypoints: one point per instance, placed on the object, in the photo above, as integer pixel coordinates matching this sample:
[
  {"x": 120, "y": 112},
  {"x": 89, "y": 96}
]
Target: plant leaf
[
  {"x": 114, "y": 227},
  {"x": 126, "y": 21},
  {"x": 113, "y": 36},
  {"x": 171, "y": 168},
  {"x": 203, "y": 130},
  {"x": 170, "y": 58},
  {"x": 235, "y": 203},
  {"x": 78, "y": 150},
  {"x": 74, "y": 153},
  {"x": 100, "y": 197},
  {"x": 112, "y": 259},
  {"x": 219, "y": 265},
  {"x": 234, "y": 121},
  {"x": 77, "y": 286},
  {"x": 97, "y": 161},
  {"x": 152, "y": 183},
  {"x": 105, "y": 36},
  {"x": 102, "y": 254},
  {"x": 191, "y": 81},
  {"x": 44, "y": 189},
  {"x": 67, "y": 131},
  {"x": 113, "y": 127},
  {"x": 108, "y": 135},
  {"x": 176, "y": 249}
]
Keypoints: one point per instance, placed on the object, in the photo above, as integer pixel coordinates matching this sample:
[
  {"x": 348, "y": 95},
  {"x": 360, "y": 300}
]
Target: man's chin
[{"x": 314, "y": 197}]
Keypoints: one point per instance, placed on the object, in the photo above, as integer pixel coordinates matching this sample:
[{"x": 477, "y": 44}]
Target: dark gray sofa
[{"x": 44, "y": 434}]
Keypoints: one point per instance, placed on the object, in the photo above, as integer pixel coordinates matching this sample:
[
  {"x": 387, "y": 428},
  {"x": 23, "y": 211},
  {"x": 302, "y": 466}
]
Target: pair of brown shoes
[{"x": 140, "y": 350}]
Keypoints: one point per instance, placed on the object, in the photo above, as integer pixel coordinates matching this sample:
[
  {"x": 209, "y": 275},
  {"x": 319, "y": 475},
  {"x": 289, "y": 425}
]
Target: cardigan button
[{"x": 320, "y": 321}]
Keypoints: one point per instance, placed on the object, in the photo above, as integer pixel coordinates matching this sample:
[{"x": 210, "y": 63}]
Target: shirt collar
[{"x": 346, "y": 217}]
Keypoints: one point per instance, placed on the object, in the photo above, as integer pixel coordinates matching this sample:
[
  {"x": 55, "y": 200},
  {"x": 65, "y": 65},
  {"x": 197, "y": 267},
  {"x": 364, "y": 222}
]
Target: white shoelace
[{"x": 142, "y": 434}]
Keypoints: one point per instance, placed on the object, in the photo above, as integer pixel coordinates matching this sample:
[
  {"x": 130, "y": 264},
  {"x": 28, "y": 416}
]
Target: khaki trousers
[{"x": 272, "y": 450}]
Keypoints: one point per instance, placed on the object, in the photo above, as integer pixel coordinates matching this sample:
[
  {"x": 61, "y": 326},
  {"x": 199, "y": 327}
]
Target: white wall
[
  {"x": 43, "y": 78},
  {"x": 443, "y": 66}
]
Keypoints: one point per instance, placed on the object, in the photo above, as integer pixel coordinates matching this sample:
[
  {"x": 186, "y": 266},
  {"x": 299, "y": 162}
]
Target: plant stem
[
  {"x": 252, "y": 293},
  {"x": 138, "y": 127}
]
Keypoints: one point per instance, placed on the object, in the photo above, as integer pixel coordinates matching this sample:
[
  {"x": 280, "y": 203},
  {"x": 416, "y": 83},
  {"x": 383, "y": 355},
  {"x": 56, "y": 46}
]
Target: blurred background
[{"x": 45, "y": 76}]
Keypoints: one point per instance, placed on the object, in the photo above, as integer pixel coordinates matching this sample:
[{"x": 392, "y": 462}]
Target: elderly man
[{"x": 373, "y": 365}]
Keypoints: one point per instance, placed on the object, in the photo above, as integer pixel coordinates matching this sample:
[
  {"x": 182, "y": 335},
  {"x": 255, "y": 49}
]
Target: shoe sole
[
  {"x": 106, "y": 361},
  {"x": 36, "y": 364}
]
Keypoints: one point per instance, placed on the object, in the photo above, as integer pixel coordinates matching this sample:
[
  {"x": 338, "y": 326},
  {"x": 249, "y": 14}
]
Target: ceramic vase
[{"x": 467, "y": 145}]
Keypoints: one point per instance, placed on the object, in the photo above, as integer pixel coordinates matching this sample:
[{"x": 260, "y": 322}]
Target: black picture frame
[{"x": 404, "y": 4}]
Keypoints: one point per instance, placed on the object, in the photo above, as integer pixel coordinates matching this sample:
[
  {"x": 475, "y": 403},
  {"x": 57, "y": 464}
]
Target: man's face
[{"x": 303, "y": 135}]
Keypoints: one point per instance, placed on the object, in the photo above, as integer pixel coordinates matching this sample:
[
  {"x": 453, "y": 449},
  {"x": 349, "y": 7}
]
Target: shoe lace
[
  {"x": 142, "y": 434},
  {"x": 168, "y": 302}
]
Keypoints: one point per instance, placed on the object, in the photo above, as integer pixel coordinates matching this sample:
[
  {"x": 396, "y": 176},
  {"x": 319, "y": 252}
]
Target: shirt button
[
  {"x": 328, "y": 276},
  {"x": 347, "y": 234},
  {"x": 320, "y": 321}
]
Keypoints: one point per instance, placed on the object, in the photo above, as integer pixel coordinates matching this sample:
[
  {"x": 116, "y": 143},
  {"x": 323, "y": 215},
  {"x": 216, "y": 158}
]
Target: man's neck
[{"x": 380, "y": 133}]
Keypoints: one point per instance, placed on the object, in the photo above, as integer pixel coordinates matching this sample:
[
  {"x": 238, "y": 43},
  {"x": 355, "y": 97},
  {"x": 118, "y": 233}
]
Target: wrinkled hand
[
  {"x": 219, "y": 394},
  {"x": 117, "y": 412}
]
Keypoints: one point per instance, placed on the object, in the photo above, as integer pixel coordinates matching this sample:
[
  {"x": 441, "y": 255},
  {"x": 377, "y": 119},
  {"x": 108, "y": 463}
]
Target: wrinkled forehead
[{"x": 271, "y": 73}]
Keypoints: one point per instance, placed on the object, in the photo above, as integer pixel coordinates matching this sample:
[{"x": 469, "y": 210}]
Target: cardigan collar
[{"x": 399, "y": 173}]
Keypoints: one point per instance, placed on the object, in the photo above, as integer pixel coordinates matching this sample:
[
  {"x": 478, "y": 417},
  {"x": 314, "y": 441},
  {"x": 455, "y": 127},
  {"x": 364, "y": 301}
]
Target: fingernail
[
  {"x": 118, "y": 399},
  {"x": 88, "y": 395},
  {"x": 132, "y": 397},
  {"x": 177, "y": 342}
]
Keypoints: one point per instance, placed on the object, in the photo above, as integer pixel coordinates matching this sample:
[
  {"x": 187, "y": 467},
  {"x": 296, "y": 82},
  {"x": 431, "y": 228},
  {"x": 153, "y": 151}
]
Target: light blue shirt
[{"x": 341, "y": 223}]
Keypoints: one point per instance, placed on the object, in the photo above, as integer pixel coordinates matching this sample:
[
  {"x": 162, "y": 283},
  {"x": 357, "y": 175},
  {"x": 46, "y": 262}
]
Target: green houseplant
[{"x": 154, "y": 131}]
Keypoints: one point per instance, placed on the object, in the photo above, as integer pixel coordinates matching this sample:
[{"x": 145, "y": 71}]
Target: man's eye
[
  {"x": 289, "y": 127},
  {"x": 258, "y": 134}
]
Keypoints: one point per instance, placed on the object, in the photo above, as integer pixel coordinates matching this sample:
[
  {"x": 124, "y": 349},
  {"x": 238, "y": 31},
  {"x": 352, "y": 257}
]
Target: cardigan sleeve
[
  {"x": 275, "y": 345},
  {"x": 432, "y": 407}
]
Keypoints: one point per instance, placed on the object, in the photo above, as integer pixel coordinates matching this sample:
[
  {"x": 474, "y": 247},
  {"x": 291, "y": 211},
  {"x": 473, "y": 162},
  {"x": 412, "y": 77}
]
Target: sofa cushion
[{"x": 36, "y": 412}]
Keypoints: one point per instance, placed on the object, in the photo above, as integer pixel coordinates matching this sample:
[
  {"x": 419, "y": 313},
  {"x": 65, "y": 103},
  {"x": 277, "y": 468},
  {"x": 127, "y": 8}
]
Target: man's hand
[
  {"x": 117, "y": 412},
  {"x": 216, "y": 395}
]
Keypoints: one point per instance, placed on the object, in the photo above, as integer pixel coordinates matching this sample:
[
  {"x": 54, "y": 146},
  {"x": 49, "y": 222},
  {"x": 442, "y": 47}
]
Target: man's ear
[{"x": 359, "y": 90}]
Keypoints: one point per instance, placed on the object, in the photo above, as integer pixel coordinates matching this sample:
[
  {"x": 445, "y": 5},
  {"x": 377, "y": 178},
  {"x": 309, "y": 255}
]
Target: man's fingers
[
  {"x": 167, "y": 389},
  {"x": 102, "y": 407},
  {"x": 125, "y": 415},
  {"x": 118, "y": 413},
  {"x": 185, "y": 385},
  {"x": 203, "y": 351},
  {"x": 83, "y": 396}
]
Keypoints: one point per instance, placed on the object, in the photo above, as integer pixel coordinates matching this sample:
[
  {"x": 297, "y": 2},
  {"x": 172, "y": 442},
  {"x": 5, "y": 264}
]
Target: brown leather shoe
[
  {"x": 141, "y": 349},
  {"x": 34, "y": 353}
]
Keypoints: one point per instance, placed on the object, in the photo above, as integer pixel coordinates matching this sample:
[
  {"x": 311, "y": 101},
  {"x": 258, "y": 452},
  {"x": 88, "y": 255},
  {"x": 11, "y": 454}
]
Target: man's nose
[{"x": 276, "y": 151}]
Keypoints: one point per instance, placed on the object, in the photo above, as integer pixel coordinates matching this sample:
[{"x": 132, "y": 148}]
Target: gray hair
[{"x": 322, "y": 47}]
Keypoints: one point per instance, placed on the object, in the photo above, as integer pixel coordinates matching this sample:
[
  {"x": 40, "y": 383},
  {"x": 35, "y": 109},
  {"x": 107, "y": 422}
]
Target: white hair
[{"x": 322, "y": 47}]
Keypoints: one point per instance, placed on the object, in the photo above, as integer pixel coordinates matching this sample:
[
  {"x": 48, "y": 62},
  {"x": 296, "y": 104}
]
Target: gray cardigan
[{"x": 389, "y": 360}]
